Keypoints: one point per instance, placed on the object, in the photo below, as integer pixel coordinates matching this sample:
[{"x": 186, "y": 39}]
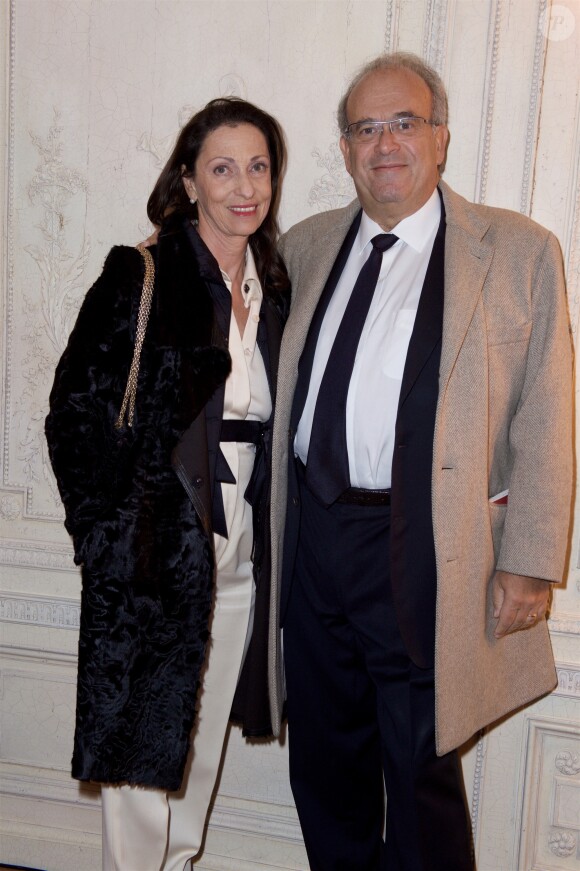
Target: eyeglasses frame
[{"x": 347, "y": 133}]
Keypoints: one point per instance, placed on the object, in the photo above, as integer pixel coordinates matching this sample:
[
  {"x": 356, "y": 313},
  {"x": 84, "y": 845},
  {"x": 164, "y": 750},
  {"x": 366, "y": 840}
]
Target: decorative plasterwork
[
  {"x": 51, "y": 188},
  {"x": 477, "y": 783},
  {"x": 10, "y": 506},
  {"x": 534, "y": 109},
  {"x": 8, "y": 334},
  {"x": 37, "y": 555},
  {"x": 52, "y": 612},
  {"x": 392, "y": 25},
  {"x": 562, "y": 844},
  {"x": 334, "y": 188},
  {"x": 436, "y": 32},
  {"x": 550, "y": 789},
  {"x": 564, "y": 624},
  {"x": 239, "y": 816},
  {"x": 568, "y": 763},
  {"x": 159, "y": 147},
  {"x": 60, "y": 292},
  {"x": 245, "y": 820},
  {"x": 568, "y": 680},
  {"x": 489, "y": 100}
]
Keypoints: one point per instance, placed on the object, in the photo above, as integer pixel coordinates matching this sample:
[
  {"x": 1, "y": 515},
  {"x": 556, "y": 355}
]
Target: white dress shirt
[{"x": 375, "y": 385}]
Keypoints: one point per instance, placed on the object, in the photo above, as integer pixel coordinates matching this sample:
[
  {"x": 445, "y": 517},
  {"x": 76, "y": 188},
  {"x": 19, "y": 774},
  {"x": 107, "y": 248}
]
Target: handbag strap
[{"x": 128, "y": 406}]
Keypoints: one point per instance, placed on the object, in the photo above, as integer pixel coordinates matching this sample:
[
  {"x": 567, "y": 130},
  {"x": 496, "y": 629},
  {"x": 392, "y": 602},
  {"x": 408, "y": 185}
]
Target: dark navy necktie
[{"x": 327, "y": 470}]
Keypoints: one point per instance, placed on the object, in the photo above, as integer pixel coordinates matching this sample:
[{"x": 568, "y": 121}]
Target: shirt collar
[
  {"x": 249, "y": 280},
  {"x": 415, "y": 230}
]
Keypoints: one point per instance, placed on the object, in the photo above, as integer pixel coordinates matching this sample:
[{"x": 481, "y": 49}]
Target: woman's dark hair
[{"x": 169, "y": 195}]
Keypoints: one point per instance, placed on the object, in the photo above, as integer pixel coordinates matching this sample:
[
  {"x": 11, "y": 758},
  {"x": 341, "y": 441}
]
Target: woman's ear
[{"x": 189, "y": 188}]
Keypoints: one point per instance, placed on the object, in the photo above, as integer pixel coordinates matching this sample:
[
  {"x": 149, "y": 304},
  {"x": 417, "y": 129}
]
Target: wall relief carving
[
  {"x": 159, "y": 147},
  {"x": 9, "y": 508},
  {"x": 568, "y": 763},
  {"x": 334, "y": 188},
  {"x": 50, "y": 311},
  {"x": 562, "y": 844}
]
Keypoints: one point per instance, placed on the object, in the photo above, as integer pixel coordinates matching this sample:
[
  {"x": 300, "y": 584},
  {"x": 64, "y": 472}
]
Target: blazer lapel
[
  {"x": 467, "y": 261},
  {"x": 429, "y": 319},
  {"x": 307, "y": 357},
  {"x": 314, "y": 274}
]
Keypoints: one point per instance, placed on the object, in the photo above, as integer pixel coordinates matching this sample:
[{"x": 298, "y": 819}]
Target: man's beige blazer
[{"x": 504, "y": 422}]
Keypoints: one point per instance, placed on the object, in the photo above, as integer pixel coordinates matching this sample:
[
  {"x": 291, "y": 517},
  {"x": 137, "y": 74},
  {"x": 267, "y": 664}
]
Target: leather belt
[
  {"x": 358, "y": 496},
  {"x": 354, "y": 495},
  {"x": 249, "y": 431}
]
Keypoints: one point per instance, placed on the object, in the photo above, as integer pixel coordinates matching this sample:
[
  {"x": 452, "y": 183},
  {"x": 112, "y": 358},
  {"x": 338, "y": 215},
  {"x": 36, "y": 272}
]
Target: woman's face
[{"x": 231, "y": 183}]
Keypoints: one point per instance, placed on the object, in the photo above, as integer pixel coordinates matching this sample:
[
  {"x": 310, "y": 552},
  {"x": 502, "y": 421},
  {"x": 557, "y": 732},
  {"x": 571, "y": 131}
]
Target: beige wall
[{"x": 93, "y": 93}]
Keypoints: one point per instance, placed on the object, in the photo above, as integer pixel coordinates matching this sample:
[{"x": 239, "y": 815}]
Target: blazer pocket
[{"x": 508, "y": 335}]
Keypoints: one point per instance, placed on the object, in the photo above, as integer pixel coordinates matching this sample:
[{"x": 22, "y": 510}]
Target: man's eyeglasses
[{"x": 401, "y": 128}]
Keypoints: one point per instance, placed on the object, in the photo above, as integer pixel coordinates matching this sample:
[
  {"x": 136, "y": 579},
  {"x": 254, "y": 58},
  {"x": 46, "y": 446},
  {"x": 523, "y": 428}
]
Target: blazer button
[
  {"x": 295, "y": 501},
  {"x": 197, "y": 482}
]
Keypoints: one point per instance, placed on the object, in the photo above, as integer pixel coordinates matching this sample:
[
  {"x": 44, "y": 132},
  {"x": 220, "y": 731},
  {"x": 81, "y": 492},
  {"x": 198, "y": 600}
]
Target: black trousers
[{"x": 360, "y": 710}]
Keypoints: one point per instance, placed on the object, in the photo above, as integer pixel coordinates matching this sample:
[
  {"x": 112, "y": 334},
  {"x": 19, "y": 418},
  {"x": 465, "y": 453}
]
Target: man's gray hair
[{"x": 396, "y": 61}]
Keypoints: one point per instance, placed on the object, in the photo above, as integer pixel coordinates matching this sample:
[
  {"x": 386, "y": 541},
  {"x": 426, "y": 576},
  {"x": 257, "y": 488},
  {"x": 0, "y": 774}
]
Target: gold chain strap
[{"x": 144, "y": 308}]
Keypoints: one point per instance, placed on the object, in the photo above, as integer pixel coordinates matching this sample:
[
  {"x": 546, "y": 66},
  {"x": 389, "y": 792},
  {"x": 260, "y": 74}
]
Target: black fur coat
[{"x": 138, "y": 501}]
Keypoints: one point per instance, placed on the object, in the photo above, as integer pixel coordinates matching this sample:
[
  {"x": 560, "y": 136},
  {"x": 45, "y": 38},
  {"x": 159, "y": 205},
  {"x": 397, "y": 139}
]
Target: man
[{"x": 422, "y": 466}]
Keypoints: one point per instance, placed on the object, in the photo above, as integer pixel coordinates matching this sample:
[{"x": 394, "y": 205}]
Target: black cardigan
[{"x": 138, "y": 502}]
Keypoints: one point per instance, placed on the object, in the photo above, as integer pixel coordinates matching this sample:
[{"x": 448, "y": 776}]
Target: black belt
[
  {"x": 250, "y": 431},
  {"x": 354, "y": 495},
  {"x": 358, "y": 496}
]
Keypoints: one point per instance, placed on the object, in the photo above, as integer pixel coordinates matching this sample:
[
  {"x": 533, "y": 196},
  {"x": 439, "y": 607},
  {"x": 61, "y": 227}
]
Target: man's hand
[{"x": 518, "y": 601}]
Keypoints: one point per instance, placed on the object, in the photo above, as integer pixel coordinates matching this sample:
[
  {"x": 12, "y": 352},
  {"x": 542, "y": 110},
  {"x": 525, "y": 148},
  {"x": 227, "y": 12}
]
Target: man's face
[{"x": 393, "y": 177}]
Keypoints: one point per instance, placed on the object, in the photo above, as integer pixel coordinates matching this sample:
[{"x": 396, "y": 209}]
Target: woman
[{"x": 157, "y": 509}]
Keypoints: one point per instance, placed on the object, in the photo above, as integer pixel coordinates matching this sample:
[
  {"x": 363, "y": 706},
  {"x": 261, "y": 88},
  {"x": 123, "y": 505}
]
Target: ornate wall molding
[
  {"x": 33, "y": 782},
  {"x": 562, "y": 623},
  {"x": 242, "y": 817},
  {"x": 568, "y": 763},
  {"x": 478, "y": 782},
  {"x": 52, "y": 657},
  {"x": 568, "y": 680},
  {"x": 334, "y": 188},
  {"x": 53, "y": 613},
  {"x": 436, "y": 32},
  {"x": 536, "y": 84},
  {"x": 9, "y": 277},
  {"x": 489, "y": 100},
  {"x": 392, "y": 26},
  {"x": 37, "y": 555},
  {"x": 549, "y": 816},
  {"x": 50, "y": 311}
]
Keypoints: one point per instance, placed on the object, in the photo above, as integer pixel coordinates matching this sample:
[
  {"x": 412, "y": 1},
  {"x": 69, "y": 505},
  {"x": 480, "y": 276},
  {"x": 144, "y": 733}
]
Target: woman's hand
[{"x": 151, "y": 240}]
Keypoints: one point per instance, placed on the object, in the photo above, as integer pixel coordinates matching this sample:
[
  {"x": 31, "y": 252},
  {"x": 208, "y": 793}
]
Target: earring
[{"x": 192, "y": 201}]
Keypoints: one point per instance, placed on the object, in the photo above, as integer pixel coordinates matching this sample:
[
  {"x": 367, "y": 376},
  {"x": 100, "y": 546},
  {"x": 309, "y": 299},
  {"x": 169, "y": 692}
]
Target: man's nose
[{"x": 387, "y": 141}]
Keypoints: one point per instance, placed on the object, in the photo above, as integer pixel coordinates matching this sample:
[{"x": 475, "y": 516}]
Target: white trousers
[{"x": 153, "y": 830}]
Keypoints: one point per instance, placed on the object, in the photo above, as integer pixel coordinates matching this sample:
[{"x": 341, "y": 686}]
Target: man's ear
[
  {"x": 441, "y": 142},
  {"x": 345, "y": 148}
]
